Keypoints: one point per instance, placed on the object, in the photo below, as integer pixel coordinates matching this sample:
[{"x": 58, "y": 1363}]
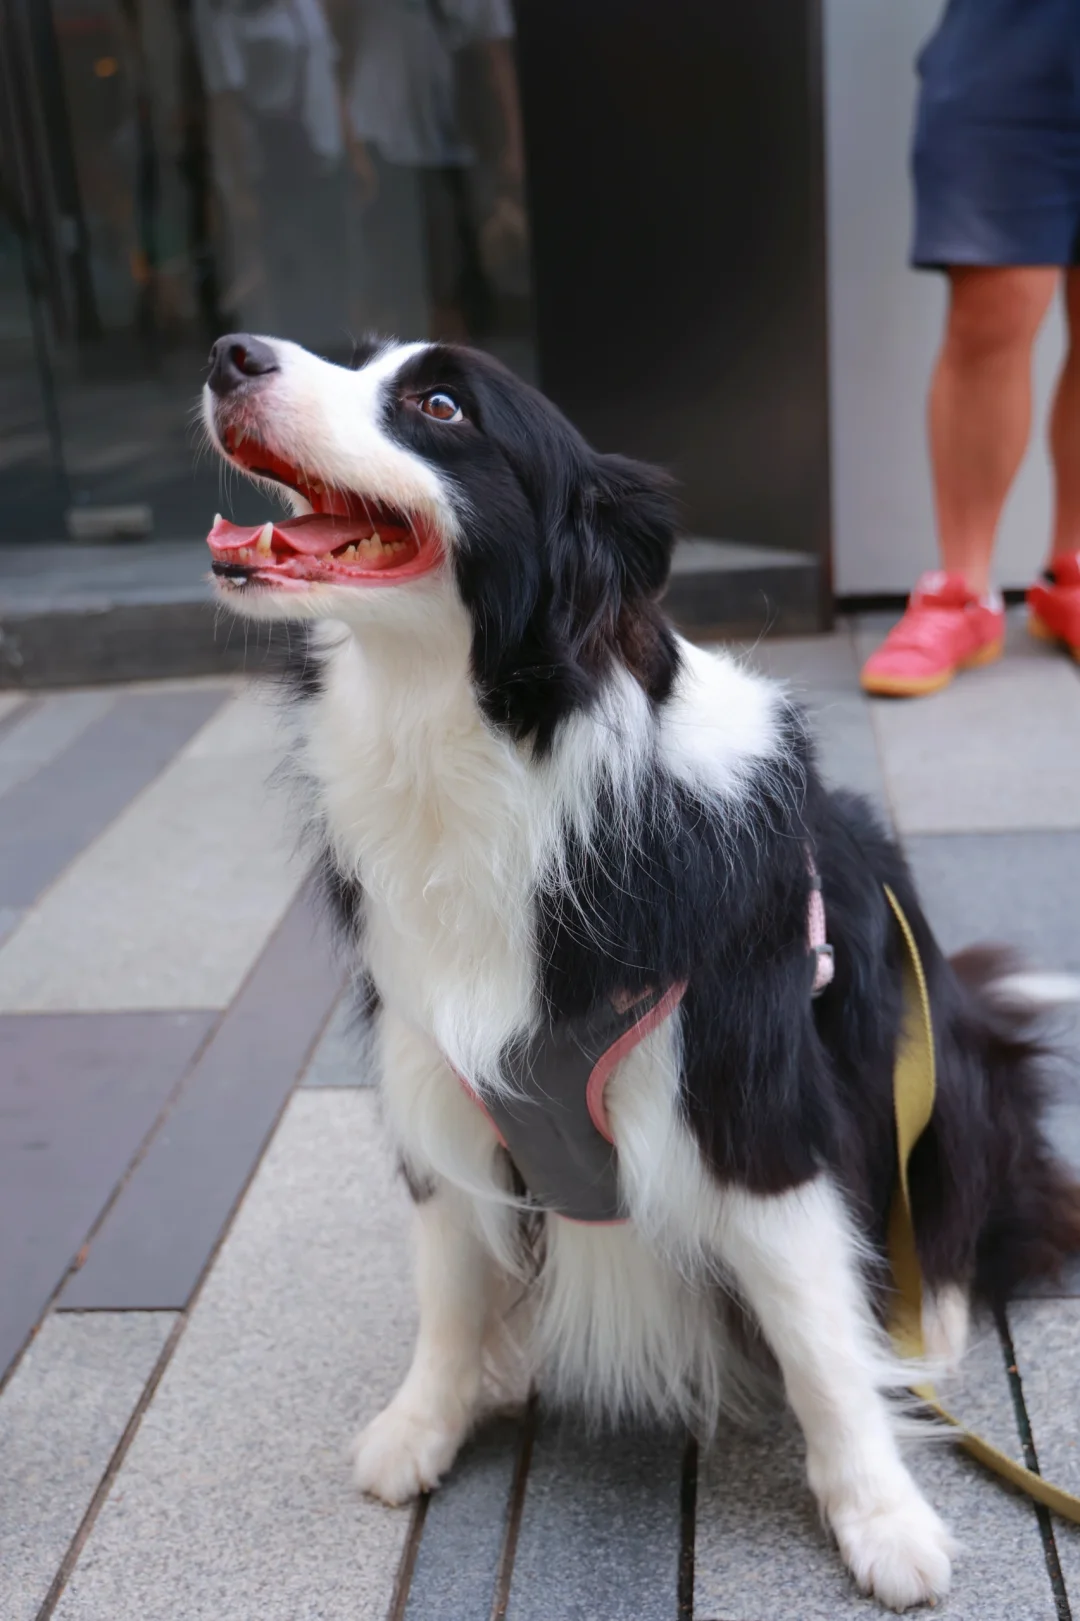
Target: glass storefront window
[{"x": 174, "y": 169}]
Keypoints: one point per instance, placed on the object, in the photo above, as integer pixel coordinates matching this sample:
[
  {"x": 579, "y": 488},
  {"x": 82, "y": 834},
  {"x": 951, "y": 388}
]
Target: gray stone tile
[
  {"x": 458, "y": 1559},
  {"x": 823, "y": 674},
  {"x": 230, "y": 683},
  {"x": 10, "y": 918},
  {"x": 1046, "y": 1338},
  {"x": 1018, "y": 888},
  {"x": 61, "y": 1418},
  {"x": 993, "y": 752},
  {"x": 126, "y": 928},
  {"x": 13, "y": 705},
  {"x": 153, "y": 1245},
  {"x": 343, "y": 1056},
  {"x": 39, "y": 729},
  {"x": 91, "y": 577},
  {"x": 847, "y": 746},
  {"x": 868, "y": 630},
  {"x": 251, "y": 724},
  {"x": 78, "y": 1095},
  {"x": 807, "y": 664},
  {"x": 599, "y": 1536},
  {"x": 762, "y": 1555},
  {"x": 234, "y": 1502},
  {"x": 52, "y": 815}
]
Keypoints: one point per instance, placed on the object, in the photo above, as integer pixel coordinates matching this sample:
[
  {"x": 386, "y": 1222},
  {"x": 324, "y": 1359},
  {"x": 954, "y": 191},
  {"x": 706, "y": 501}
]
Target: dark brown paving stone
[
  {"x": 599, "y": 1537},
  {"x": 78, "y": 1094},
  {"x": 154, "y": 1244},
  {"x": 46, "y": 820}
]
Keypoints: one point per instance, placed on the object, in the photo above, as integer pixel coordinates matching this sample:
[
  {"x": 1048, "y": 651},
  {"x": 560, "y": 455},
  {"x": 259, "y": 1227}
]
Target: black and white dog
[{"x": 533, "y": 798}]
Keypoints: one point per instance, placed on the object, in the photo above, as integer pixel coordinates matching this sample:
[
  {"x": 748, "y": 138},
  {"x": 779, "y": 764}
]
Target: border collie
[{"x": 533, "y": 799}]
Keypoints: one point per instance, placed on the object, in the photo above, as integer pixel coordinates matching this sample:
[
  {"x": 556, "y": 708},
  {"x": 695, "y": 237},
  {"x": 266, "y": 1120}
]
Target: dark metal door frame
[{"x": 676, "y": 185}]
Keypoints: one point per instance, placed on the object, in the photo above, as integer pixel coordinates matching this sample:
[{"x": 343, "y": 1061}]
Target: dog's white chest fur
[
  {"x": 450, "y": 829},
  {"x": 429, "y": 810}
]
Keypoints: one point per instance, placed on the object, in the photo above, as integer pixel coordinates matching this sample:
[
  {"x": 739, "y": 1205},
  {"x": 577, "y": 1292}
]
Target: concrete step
[
  {"x": 72, "y": 614},
  {"x": 721, "y": 589}
]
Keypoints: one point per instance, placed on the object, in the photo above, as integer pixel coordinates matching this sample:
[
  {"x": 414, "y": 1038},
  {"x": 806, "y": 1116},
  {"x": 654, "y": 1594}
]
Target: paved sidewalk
[{"x": 203, "y": 1284}]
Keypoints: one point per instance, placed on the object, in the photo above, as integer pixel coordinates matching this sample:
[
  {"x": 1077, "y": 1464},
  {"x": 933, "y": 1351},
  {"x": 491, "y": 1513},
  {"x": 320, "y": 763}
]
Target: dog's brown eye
[{"x": 442, "y": 406}]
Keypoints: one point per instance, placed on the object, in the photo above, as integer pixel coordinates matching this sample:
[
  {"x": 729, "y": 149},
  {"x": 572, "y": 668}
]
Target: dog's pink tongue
[{"x": 311, "y": 536}]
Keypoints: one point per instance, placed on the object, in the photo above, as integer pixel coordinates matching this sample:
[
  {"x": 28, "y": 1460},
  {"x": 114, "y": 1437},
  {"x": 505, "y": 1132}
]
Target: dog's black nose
[{"x": 237, "y": 358}]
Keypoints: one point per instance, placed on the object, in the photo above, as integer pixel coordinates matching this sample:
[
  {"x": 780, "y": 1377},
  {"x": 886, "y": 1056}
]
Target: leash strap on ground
[{"x": 914, "y": 1083}]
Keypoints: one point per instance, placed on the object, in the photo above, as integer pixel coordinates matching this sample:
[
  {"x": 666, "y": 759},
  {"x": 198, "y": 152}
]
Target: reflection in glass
[{"x": 173, "y": 169}]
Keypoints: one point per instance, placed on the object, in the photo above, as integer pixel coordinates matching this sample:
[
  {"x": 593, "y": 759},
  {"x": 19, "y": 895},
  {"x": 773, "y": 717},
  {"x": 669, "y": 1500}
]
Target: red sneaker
[
  {"x": 1054, "y": 604},
  {"x": 944, "y": 629}
]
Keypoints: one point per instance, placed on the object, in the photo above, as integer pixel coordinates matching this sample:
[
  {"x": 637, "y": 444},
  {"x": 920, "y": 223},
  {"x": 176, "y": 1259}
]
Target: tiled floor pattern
[{"x": 205, "y": 1288}]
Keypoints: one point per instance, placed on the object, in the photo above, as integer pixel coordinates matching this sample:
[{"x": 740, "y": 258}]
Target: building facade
[{"x": 686, "y": 220}]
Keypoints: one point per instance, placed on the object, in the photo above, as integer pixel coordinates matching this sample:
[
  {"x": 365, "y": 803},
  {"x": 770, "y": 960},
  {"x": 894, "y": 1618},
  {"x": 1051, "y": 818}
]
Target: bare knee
[{"x": 995, "y": 312}]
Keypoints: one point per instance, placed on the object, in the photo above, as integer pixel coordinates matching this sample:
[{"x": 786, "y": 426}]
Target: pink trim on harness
[
  {"x": 824, "y": 966},
  {"x": 598, "y": 1079},
  {"x": 601, "y": 1071}
]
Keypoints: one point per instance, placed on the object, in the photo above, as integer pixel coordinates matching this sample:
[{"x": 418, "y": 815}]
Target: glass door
[{"x": 174, "y": 169}]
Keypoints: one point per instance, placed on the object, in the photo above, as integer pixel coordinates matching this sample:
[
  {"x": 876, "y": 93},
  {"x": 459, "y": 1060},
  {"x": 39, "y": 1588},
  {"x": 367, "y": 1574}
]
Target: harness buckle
[{"x": 824, "y": 970}]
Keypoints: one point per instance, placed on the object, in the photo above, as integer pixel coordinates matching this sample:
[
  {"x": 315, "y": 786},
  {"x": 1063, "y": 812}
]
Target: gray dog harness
[{"x": 554, "y": 1125}]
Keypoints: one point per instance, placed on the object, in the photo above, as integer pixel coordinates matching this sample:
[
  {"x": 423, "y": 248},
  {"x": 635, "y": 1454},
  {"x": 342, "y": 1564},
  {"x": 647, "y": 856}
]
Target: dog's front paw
[
  {"x": 403, "y": 1453},
  {"x": 899, "y": 1551}
]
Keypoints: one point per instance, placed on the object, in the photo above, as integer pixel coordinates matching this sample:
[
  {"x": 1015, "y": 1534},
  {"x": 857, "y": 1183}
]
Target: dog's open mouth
[{"x": 346, "y": 539}]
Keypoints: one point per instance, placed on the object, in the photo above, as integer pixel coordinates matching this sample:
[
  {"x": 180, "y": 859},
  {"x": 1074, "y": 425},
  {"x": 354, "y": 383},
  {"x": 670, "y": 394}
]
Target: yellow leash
[{"x": 913, "y": 1098}]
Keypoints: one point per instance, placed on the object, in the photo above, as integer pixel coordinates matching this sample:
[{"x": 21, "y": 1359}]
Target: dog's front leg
[
  {"x": 415, "y": 1439},
  {"x": 794, "y": 1258}
]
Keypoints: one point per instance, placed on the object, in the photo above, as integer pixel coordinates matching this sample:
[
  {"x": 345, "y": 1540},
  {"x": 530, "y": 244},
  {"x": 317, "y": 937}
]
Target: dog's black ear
[
  {"x": 635, "y": 513},
  {"x": 559, "y": 567}
]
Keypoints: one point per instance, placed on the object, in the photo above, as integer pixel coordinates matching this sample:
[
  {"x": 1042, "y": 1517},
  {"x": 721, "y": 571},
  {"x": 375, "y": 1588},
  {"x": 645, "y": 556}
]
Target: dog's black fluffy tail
[{"x": 1032, "y": 1227}]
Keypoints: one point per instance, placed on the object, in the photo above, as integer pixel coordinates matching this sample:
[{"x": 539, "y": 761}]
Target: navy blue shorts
[{"x": 996, "y": 157}]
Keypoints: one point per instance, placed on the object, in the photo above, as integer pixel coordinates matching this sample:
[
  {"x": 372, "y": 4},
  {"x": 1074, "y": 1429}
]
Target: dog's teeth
[
  {"x": 265, "y": 544},
  {"x": 348, "y": 554},
  {"x": 218, "y": 519},
  {"x": 376, "y": 537}
]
